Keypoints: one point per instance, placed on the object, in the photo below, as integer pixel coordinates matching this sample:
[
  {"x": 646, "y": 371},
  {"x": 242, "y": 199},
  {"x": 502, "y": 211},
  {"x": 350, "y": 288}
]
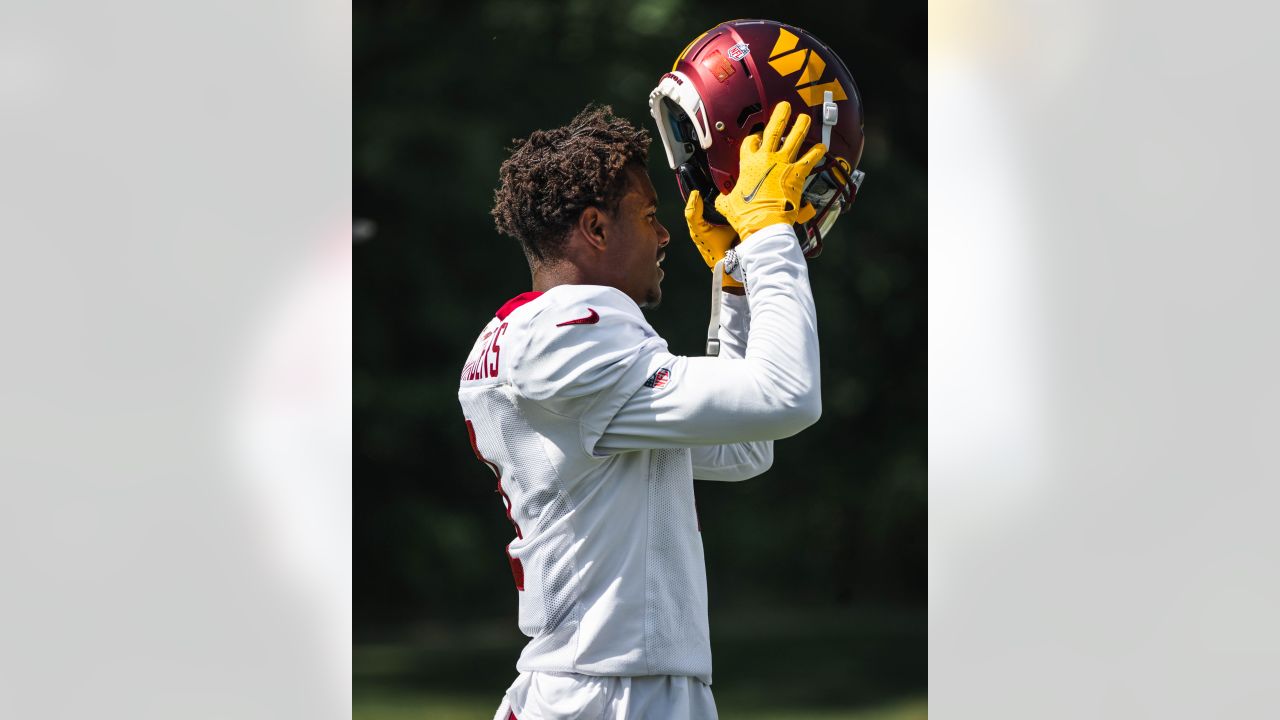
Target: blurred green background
[{"x": 816, "y": 570}]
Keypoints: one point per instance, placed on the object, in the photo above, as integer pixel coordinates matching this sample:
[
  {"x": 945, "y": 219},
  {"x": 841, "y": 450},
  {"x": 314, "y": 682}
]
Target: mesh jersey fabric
[{"x": 608, "y": 546}]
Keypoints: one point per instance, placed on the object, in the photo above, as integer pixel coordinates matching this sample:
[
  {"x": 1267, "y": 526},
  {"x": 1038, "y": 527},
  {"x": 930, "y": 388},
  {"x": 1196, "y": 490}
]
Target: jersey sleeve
[
  {"x": 772, "y": 391},
  {"x": 733, "y": 461}
]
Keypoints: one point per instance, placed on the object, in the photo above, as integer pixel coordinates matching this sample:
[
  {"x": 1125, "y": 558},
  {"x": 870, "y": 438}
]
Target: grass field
[{"x": 837, "y": 664}]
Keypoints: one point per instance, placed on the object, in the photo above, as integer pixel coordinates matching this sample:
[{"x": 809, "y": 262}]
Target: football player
[{"x": 595, "y": 432}]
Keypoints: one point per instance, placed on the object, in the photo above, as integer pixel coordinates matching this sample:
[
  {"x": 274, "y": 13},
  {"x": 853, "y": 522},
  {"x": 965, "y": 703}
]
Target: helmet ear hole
[
  {"x": 747, "y": 112},
  {"x": 757, "y": 128}
]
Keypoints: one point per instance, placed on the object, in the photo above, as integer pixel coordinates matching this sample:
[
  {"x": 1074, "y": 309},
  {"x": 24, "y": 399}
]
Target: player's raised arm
[
  {"x": 742, "y": 460},
  {"x": 775, "y": 390}
]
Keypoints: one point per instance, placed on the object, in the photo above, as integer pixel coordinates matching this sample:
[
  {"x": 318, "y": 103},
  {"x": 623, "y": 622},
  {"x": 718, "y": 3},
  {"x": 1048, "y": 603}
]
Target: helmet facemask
[
  {"x": 830, "y": 189},
  {"x": 682, "y": 126}
]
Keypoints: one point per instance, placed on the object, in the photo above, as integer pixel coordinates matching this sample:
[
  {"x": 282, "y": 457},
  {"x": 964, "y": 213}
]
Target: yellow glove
[
  {"x": 711, "y": 240},
  {"x": 770, "y": 179}
]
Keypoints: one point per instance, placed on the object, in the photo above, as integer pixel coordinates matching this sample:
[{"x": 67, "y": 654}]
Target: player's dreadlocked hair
[{"x": 553, "y": 175}]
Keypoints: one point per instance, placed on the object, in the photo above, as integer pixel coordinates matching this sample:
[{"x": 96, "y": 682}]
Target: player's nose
[{"x": 664, "y": 237}]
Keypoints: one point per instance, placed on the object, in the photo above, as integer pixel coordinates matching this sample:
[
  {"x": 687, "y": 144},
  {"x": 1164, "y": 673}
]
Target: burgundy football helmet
[{"x": 724, "y": 86}]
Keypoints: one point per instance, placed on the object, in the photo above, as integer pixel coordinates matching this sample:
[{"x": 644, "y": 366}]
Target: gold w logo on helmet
[{"x": 786, "y": 58}]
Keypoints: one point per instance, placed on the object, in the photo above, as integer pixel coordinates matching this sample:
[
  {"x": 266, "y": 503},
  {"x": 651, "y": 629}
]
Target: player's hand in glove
[
  {"x": 770, "y": 179},
  {"x": 711, "y": 240}
]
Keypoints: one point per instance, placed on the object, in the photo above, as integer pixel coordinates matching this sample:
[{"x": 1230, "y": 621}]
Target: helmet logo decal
[
  {"x": 739, "y": 51},
  {"x": 786, "y": 59},
  {"x": 719, "y": 67}
]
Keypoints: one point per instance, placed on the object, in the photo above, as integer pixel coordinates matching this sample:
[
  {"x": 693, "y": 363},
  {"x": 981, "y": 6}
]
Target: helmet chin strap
[
  {"x": 830, "y": 114},
  {"x": 713, "y": 328},
  {"x": 727, "y": 265}
]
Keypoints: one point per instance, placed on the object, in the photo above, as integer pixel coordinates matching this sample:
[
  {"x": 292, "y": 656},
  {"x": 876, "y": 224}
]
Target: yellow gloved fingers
[
  {"x": 799, "y": 171},
  {"x": 791, "y": 146},
  {"x": 693, "y": 213},
  {"x": 777, "y": 124},
  {"x": 700, "y": 231},
  {"x": 812, "y": 159},
  {"x": 711, "y": 240},
  {"x": 771, "y": 181}
]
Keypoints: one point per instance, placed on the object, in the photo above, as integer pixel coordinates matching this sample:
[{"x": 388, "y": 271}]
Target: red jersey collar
[{"x": 509, "y": 306}]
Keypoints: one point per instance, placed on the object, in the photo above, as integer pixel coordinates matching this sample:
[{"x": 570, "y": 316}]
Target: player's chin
[{"x": 653, "y": 298}]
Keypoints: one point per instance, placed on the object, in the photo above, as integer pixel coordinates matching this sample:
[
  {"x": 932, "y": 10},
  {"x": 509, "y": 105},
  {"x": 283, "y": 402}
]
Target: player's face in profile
[{"x": 639, "y": 239}]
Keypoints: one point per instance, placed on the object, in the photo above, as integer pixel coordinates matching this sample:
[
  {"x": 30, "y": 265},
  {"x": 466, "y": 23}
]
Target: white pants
[{"x": 568, "y": 696}]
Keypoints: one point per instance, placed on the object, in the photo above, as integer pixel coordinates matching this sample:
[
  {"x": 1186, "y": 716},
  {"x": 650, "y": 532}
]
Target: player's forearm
[
  {"x": 735, "y": 321},
  {"x": 733, "y": 462},
  {"x": 782, "y": 341}
]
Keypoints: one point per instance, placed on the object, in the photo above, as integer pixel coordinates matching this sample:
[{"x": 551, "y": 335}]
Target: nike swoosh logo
[
  {"x": 749, "y": 196},
  {"x": 590, "y": 319}
]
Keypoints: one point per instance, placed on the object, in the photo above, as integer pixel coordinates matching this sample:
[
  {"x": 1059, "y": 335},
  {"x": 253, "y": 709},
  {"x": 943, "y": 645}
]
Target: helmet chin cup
[{"x": 694, "y": 176}]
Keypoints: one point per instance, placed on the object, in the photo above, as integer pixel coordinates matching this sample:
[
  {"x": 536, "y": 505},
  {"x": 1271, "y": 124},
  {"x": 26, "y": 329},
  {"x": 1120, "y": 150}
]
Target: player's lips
[{"x": 661, "y": 256}]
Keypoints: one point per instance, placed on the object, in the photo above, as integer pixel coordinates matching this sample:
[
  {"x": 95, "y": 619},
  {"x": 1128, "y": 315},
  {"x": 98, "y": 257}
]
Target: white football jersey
[{"x": 595, "y": 432}]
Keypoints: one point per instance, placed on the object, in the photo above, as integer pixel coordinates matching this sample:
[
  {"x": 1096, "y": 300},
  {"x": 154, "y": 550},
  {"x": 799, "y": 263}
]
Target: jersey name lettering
[{"x": 485, "y": 365}]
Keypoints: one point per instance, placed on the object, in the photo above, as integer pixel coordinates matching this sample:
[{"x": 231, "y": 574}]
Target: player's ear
[{"x": 592, "y": 226}]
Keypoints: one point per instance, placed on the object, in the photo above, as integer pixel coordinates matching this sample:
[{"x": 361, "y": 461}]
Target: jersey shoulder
[{"x": 577, "y": 340}]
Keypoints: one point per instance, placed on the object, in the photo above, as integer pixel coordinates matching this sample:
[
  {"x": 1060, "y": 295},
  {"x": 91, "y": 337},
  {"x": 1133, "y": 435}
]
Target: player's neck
[{"x": 546, "y": 277}]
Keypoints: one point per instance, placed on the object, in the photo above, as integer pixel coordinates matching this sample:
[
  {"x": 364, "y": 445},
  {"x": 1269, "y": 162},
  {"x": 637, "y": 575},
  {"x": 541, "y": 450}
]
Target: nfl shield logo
[
  {"x": 658, "y": 379},
  {"x": 739, "y": 51}
]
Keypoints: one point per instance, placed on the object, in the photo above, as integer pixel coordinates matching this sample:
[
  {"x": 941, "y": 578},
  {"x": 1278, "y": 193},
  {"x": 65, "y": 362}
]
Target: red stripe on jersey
[
  {"x": 509, "y": 306},
  {"x": 475, "y": 448},
  {"x": 517, "y": 569}
]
